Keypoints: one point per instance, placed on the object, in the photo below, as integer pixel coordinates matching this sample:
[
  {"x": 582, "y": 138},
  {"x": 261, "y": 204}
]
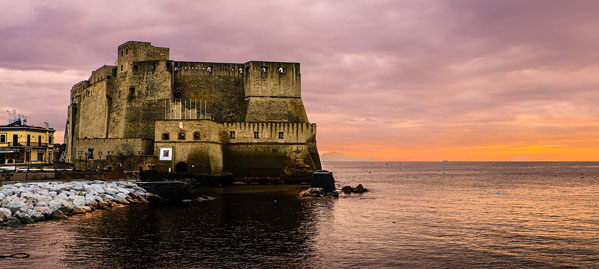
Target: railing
[{"x": 38, "y": 145}]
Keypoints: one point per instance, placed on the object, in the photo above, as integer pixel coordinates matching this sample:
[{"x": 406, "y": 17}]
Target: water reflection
[{"x": 235, "y": 229}]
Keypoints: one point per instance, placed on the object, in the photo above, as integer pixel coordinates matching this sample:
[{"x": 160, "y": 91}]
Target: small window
[
  {"x": 264, "y": 69},
  {"x": 131, "y": 90},
  {"x": 209, "y": 68},
  {"x": 165, "y": 136},
  {"x": 247, "y": 70},
  {"x": 256, "y": 135},
  {"x": 280, "y": 135},
  {"x": 90, "y": 154},
  {"x": 126, "y": 51},
  {"x": 2, "y": 138},
  {"x": 281, "y": 70},
  {"x": 50, "y": 140},
  {"x": 181, "y": 136},
  {"x": 135, "y": 67},
  {"x": 107, "y": 77},
  {"x": 196, "y": 136},
  {"x": 121, "y": 67},
  {"x": 232, "y": 134},
  {"x": 177, "y": 95},
  {"x": 240, "y": 70}
]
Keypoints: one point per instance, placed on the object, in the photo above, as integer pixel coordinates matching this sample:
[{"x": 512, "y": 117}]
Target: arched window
[
  {"x": 264, "y": 69},
  {"x": 181, "y": 136}
]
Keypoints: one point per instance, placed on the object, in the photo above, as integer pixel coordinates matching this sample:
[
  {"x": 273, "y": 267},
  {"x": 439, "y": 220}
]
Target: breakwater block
[{"x": 323, "y": 179}]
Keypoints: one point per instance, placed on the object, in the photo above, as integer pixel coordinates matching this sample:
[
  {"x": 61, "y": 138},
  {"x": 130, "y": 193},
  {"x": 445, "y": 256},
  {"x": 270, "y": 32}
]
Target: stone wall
[{"x": 221, "y": 85}]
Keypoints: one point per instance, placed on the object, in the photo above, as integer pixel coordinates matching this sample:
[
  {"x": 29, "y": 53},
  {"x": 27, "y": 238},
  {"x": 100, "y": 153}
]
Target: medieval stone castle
[{"x": 197, "y": 117}]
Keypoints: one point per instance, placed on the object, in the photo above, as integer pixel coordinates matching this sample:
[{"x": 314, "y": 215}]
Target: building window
[
  {"x": 209, "y": 68},
  {"x": 165, "y": 136},
  {"x": 121, "y": 67},
  {"x": 126, "y": 51},
  {"x": 131, "y": 90},
  {"x": 181, "y": 136},
  {"x": 196, "y": 136},
  {"x": 39, "y": 141},
  {"x": 232, "y": 134},
  {"x": 40, "y": 156},
  {"x": 2, "y": 138},
  {"x": 28, "y": 140},
  {"x": 240, "y": 70},
  {"x": 90, "y": 154},
  {"x": 256, "y": 135},
  {"x": 280, "y": 135},
  {"x": 50, "y": 140},
  {"x": 15, "y": 140},
  {"x": 264, "y": 69},
  {"x": 281, "y": 70},
  {"x": 135, "y": 68}
]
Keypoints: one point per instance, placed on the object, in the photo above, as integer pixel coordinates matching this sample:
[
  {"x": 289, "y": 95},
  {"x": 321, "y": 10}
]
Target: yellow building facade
[{"x": 23, "y": 145}]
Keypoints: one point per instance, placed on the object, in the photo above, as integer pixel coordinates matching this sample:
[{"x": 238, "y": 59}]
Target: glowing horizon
[{"x": 390, "y": 80}]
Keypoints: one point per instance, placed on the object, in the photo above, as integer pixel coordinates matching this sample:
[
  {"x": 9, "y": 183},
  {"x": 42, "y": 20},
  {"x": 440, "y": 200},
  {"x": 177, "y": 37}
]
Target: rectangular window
[
  {"x": 232, "y": 134},
  {"x": 256, "y": 135},
  {"x": 280, "y": 135},
  {"x": 90, "y": 153},
  {"x": 181, "y": 136},
  {"x": 50, "y": 140},
  {"x": 40, "y": 156},
  {"x": 28, "y": 140},
  {"x": 165, "y": 136},
  {"x": 2, "y": 138},
  {"x": 15, "y": 140},
  {"x": 39, "y": 141}
]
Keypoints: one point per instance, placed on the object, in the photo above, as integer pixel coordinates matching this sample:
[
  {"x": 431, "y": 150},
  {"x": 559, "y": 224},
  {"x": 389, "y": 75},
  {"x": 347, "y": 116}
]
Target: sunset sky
[{"x": 390, "y": 80}]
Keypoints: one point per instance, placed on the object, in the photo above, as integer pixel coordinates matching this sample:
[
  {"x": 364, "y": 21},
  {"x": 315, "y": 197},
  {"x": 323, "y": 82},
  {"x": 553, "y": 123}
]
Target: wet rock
[
  {"x": 347, "y": 189},
  {"x": 304, "y": 194},
  {"x": 24, "y": 217},
  {"x": 12, "y": 221},
  {"x": 78, "y": 211},
  {"x": 58, "y": 215},
  {"x": 5, "y": 214}
]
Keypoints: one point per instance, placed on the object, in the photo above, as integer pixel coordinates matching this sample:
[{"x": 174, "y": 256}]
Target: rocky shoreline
[{"x": 24, "y": 203}]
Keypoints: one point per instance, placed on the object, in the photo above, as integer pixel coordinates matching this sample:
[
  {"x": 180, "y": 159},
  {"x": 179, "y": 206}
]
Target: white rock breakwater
[{"x": 32, "y": 202}]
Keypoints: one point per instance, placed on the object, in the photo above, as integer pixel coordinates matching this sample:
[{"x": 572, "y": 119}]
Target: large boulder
[
  {"x": 347, "y": 189},
  {"x": 23, "y": 217},
  {"x": 5, "y": 213},
  {"x": 17, "y": 204}
]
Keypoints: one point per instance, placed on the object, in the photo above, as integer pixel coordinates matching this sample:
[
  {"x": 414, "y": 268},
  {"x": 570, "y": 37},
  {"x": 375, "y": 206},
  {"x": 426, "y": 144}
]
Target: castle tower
[{"x": 273, "y": 92}]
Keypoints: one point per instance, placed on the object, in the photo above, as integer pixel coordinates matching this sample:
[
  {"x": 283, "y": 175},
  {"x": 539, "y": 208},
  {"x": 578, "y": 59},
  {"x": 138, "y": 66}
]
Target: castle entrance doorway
[{"x": 181, "y": 167}]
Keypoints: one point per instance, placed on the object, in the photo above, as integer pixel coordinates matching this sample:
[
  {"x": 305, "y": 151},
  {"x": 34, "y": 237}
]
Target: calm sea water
[{"x": 418, "y": 214}]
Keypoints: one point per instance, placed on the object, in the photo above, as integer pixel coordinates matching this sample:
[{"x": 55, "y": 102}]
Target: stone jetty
[{"x": 38, "y": 201}]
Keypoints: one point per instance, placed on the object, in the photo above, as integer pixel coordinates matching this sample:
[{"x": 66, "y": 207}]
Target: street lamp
[{"x": 28, "y": 158}]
